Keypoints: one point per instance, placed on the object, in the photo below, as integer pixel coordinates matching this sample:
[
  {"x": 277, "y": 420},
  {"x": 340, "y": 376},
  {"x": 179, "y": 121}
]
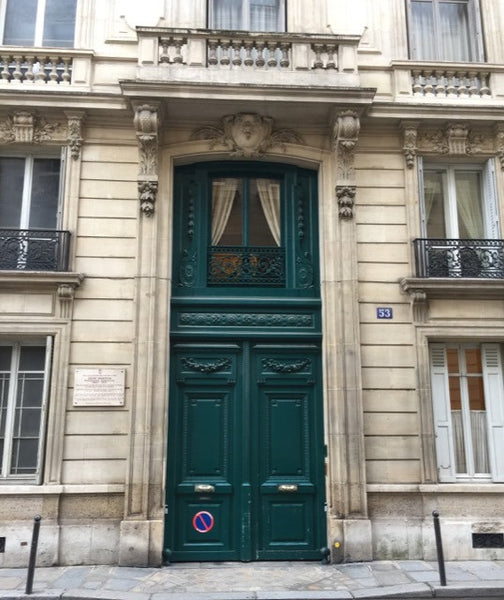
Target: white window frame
[
  {"x": 493, "y": 383},
  {"x": 245, "y": 25},
  {"x": 476, "y": 49},
  {"x": 39, "y": 22},
  {"x": 29, "y": 159},
  {"x": 6, "y": 460},
  {"x": 488, "y": 195}
]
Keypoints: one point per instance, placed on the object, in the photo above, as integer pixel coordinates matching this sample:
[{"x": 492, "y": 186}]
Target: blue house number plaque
[{"x": 384, "y": 312}]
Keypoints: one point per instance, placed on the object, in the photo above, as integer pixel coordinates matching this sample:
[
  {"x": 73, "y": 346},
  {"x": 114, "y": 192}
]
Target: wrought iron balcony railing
[
  {"x": 246, "y": 266},
  {"x": 459, "y": 258},
  {"x": 34, "y": 250}
]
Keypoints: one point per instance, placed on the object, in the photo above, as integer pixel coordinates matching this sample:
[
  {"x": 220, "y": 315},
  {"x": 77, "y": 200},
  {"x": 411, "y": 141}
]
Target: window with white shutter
[{"x": 468, "y": 408}]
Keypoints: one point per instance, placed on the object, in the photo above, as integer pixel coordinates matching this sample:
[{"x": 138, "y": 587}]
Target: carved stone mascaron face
[{"x": 248, "y": 131}]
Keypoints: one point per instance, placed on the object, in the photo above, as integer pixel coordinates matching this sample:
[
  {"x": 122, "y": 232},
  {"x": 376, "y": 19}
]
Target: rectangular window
[
  {"x": 29, "y": 212},
  {"x": 24, "y": 385},
  {"x": 39, "y": 23},
  {"x": 468, "y": 405},
  {"x": 459, "y": 221},
  {"x": 247, "y": 15},
  {"x": 445, "y": 30}
]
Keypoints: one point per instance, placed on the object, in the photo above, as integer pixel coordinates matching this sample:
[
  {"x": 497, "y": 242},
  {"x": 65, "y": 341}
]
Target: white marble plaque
[{"x": 99, "y": 387}]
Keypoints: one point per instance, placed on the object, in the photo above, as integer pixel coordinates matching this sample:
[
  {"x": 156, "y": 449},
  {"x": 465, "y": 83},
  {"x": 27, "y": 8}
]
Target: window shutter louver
[
  {"x": 442, "y": 416},
  {"x": 494, "y": 396}
]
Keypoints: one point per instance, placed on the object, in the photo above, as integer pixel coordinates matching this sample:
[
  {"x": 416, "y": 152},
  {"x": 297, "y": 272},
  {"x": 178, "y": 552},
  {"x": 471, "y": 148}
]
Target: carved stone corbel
[
  {"x": 346, "y": 199},
  {"x": 74, "y": 132},
  {"x": 499, "y": 143},
  {"x": 66, "y": 293},
  {"x": 410, "y": 134},
  {"x": 419, "y": 305},
  {"x": 345, "y": 135},
  {"x": 146, "y": 122}
]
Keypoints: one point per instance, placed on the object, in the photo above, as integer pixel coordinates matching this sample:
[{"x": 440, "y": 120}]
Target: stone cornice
[{"x": 464, "y": 288}]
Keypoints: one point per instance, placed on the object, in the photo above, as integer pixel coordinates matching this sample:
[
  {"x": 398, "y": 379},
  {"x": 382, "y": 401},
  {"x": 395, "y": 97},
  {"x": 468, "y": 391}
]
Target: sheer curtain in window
[
  {"x": 470, "y": 215},
  {"x": 227, "y": 14},
  {"x": 223, "y": 195},
  {"x": 269, "y": 194}
]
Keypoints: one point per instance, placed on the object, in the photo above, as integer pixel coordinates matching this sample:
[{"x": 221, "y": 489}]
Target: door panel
[{"x": 245, "y": 476}]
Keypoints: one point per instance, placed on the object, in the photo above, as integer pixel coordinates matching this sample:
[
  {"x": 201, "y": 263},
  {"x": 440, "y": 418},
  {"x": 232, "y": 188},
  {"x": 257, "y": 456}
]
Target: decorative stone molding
[
  {"x": 346, "y": 199},
  {"x": 457, "y": 139},
  {"x": 74, "y": 132},
  {"x": 410, "y": 133},
  {"x": 146, "y": 122},
  {"x": 345, "y": 134},
  {"x": 247, "y": 135},
  {"x": 26, "y": 127},
  {"x": 499, "y": 143}
]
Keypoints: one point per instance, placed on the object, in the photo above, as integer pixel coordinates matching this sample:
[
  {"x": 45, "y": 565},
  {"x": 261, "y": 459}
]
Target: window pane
[
  {"x": 263, "y": 15},
  {"x": 227, "y": 208},
  {"x": 24, "y": 456},
  {"x": 434, "y": 204},
  {"x": 32, "y": 358},
  {"x": 11, "y": 191},
  {"x": 227, "y": 14},
  {"x": 59, "y": 23},
  {"x": 45, "y": 191},
  {"x": 264, "y": 212},
  {"x": 469, "y": 209},
  {"x": 20, "y": 17},
  {"x": 423, "y": 30},
  {"x": 454, "y": 32}
]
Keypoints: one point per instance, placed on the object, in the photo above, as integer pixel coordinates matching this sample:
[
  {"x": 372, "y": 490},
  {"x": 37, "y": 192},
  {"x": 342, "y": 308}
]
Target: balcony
[
  {"x": 246, "y": 266},
  {"x": 445, "y": 81},
  {"x": 480, "y": 259},
  {"x": 205, "y": 56},
  {"x": 34, "y": 250},
  {"x": 44, "y": 68}
]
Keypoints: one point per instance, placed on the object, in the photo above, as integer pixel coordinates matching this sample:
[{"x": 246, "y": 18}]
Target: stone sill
[
  {"x": 10, "y": 489},
  {"x": 39, "y": 279},
  {"x": 436, "y": 488}
]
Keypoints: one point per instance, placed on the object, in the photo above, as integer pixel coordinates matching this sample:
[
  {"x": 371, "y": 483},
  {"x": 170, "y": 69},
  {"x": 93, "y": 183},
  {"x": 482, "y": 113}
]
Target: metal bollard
[
  {"x": 439, "y": 548},
  {"x": 33, "y": 554}
]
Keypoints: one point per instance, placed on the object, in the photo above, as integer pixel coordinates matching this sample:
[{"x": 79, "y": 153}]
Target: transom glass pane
[{"x": 245, "y": 212}]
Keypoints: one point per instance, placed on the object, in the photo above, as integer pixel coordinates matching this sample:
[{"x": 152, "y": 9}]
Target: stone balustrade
[
  {"x": 29, "y": 66},
  {"x": 245, "y": 51},
  {"x": 448, "y": 80}
]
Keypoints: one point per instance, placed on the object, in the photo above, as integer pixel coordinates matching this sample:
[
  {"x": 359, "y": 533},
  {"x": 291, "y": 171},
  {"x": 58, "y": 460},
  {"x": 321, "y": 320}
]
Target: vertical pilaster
[
  {"x": 345, "y": 410},
  {"x": 135, "y": 529}
]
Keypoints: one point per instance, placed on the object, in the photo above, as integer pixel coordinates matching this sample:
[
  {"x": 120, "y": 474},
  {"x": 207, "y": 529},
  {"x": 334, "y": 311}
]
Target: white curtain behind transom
[
  {"x": 269, "y": 194},
  {"x": 223, "y": 195},
  {"x": 469, "y": 206}
]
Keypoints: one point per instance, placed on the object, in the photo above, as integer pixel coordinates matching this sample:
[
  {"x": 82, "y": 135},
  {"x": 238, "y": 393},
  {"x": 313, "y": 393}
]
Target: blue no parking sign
[{"x": 203, "y": 521}]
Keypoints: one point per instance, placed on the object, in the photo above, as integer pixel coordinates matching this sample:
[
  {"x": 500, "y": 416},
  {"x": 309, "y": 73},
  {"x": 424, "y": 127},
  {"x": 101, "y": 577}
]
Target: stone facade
[{"x": 147, "y": 89}]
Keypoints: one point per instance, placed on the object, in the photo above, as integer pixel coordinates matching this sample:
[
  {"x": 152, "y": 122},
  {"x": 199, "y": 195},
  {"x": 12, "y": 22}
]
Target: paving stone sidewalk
[{"x": 260, "y": 581}]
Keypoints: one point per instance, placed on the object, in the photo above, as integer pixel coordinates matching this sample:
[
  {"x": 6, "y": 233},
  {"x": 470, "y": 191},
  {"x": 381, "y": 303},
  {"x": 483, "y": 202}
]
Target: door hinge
[{"x": 166, "y": 509}]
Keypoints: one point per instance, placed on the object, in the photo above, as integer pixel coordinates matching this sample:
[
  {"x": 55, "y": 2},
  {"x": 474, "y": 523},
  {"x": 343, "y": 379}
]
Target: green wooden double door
[{"x": 245, "y": 478}]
